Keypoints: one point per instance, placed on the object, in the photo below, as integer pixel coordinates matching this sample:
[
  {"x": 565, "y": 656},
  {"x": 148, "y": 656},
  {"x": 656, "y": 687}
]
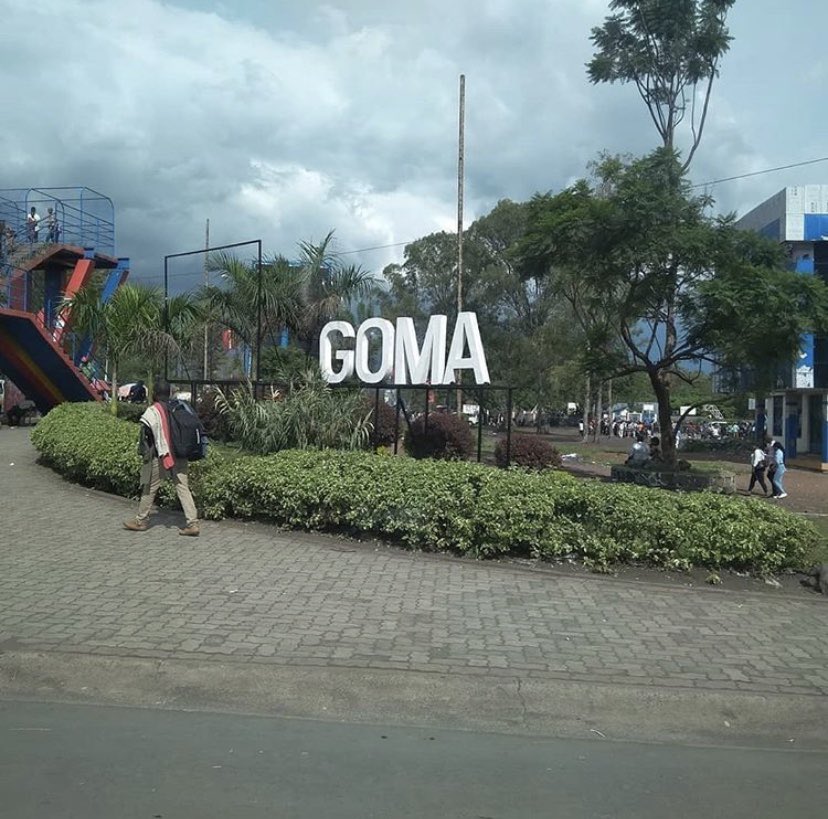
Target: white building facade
[{"x": 797, "y": 412}]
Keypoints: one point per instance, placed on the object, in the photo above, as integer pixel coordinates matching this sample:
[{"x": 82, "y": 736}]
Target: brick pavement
[{"x": 72, "y": 581}]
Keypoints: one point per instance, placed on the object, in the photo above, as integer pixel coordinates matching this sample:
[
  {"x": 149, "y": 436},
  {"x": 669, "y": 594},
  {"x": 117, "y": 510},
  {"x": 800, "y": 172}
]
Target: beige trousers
[{"x": 152, "y": 473}]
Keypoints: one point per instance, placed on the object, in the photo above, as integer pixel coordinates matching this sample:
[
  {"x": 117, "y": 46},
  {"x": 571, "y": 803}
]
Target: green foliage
[
  {"x": 527, "y": 451},
  {"x": 285, "y": 364},
  {"x": 670, "y": 50},
  {"x": 383, "y": 418},
  {"x": 87, "y": 444},
  {"x": 660, "y": 286},
  {"x": 459, "y": 507},
  {"x": 527, "y": 328},
  {"x": 752, "y": 281},
  {"x": 131, "y": 412},
  {"x": 213, "y": 420},
  {"x": 730, "y": 446},
  {"x": 445, "y": 436},
  {"x": 307, "y": 415}
]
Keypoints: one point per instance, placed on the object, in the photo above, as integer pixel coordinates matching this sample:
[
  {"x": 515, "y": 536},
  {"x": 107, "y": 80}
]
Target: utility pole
[
  {"x": 461, "y": 167},
  {"x": 206, "y": 284}
]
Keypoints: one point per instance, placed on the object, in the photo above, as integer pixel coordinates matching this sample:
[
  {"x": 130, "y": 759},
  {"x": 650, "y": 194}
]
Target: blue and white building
[{"x": 797, "y": 410}]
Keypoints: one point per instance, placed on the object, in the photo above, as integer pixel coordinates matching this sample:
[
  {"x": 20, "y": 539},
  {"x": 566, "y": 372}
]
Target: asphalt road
[{"x": 73, "y": 762}]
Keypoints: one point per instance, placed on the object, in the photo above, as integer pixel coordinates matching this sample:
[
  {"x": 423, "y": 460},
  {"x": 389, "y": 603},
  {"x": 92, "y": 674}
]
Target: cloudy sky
[{"x": 283, "y": 119}]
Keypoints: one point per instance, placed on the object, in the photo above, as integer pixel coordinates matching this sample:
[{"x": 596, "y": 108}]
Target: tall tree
[
  {"x": 528, "y": 334},
  {"x": 671, "y": 50},
  {"x": 641, "y": 255},
  {"x": 235, "y": 302}
]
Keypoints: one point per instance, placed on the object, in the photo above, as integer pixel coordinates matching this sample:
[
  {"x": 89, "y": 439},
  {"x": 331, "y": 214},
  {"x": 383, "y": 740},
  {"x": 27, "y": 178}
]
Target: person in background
[
  {"x": 32, "y": 225},
  {"x": 779, "y": 473},
  {"x": 160, "y": 463},
  {"x": 639, "y": 453},
  {"x": 52, "y": 225},
  {"x": 758, "y": 462}
]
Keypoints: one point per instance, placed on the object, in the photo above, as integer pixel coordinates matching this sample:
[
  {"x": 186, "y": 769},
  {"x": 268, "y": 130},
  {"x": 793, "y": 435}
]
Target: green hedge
[{"x": 458, "y": 507}]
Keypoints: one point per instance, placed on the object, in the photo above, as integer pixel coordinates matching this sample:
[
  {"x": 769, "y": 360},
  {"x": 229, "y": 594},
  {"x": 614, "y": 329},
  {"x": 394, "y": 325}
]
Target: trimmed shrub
[
  {"x": 85, "y": 443},
  {"x": 131, "y": 412},
  {"x": 529, "y": 452},
  {"x": 459, "y": 507},
  {"x": 386, "y": 421},
  {"x": 446, "y": 437},
  {"x": 723, "y": 446}
]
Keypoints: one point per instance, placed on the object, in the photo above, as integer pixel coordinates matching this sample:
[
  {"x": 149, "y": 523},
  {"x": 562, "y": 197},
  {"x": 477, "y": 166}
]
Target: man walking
[{"x": 160, "y": 463}]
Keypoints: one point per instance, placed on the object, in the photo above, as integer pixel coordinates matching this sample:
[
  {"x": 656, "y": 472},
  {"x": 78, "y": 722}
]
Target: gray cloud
[{"x": 282, "y": 121}]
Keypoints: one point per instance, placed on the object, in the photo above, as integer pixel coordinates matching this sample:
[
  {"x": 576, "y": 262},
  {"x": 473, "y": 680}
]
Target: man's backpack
[{"x": 186, "y": 431}]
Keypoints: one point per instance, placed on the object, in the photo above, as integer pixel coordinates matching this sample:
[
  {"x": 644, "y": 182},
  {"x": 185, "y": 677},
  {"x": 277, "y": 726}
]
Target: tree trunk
[
  {"x": 661, "y": 388},
  {"x": 113, "y": 390},
  {"x": 760, "y": 419},
  {"x": 599, "y": 410},
  {"x": 587, "y": 402},
  {"x": 609, "y": 406}
]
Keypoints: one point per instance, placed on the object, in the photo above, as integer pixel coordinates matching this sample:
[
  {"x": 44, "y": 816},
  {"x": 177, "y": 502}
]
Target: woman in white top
[{"x": 757, "y": 463}]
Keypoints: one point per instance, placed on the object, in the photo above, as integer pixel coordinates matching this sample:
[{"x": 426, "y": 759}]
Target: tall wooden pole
[
  {"x": 461, "y": 182},
  {"x": 206, "y": 284}
]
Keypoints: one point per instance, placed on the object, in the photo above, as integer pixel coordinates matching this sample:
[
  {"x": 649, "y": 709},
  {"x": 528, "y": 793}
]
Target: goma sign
[{"x": 400, "y": 355}]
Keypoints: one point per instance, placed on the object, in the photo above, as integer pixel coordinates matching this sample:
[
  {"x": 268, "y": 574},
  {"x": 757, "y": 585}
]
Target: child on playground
[{"x": 160, "y": 463}]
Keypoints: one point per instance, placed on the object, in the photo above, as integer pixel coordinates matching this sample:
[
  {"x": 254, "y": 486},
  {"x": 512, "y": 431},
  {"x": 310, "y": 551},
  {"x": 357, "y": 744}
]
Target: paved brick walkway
[{"x": 72, "y": 581}]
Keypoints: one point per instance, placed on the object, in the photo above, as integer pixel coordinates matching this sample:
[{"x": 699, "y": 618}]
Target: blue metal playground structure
[{"x": 40, "y": 265}]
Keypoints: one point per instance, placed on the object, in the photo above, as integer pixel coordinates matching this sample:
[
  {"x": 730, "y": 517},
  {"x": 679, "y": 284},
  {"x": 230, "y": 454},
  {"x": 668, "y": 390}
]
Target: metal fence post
[{"x": 509, "y": 427}]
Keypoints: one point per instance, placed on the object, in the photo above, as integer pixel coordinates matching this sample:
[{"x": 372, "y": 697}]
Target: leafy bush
[
  {"x": 85, "y": 443},
  {"x": 209, "y": 412},
  {"x": 728, "y": 446},
  {"x": 308, "y": 415},
  {"x": 527, "y": 451},
  {"x": 446, "y": 437},
  {"x": 131, "y": 412},
  {"x": 386, "y": 422},
  {"x": 460, "y": 507}
]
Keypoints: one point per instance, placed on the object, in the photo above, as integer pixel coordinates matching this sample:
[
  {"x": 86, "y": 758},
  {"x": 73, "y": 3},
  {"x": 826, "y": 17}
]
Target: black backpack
[{"x": 186, "y": 431}]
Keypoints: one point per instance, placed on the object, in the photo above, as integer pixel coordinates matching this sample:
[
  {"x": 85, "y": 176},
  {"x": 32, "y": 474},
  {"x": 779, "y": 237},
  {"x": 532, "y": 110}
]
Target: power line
[
  {"x": 760, "y": 173},
  {"x": 707, "y": 184},
  {"x": 377, "y": 247},
  {"x": 338, "y": 253}
]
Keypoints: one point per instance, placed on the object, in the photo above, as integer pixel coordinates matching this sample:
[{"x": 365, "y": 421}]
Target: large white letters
[
  {"x": 363, "y": 370},
  {"x": 423, "y": 365},
  {"x": 466, "y": 330},
  {"x": 400, "y": 354},
  {"x": 326, "y": 349}
]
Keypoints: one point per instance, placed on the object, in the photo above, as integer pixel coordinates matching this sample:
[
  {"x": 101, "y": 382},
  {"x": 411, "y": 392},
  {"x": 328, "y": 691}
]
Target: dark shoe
[
  {"x": 135, "y": 525},
  {"x": 191, "y": 530}
]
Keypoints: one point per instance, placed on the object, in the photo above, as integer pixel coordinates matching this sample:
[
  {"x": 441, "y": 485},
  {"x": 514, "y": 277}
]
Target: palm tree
[
  {"x": 301, "y": 298},
  {"x": 185, "y": 315},
  {"x": 329, "y": 287},
  {"x": 132, "y": 321},
  {"x": 235, "y": 304}
]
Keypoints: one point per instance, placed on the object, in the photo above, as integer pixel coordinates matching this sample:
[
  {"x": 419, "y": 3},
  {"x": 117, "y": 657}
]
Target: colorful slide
[
  {"x": 31, "y": 344},
  {"x": 37, "y": 364}
]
